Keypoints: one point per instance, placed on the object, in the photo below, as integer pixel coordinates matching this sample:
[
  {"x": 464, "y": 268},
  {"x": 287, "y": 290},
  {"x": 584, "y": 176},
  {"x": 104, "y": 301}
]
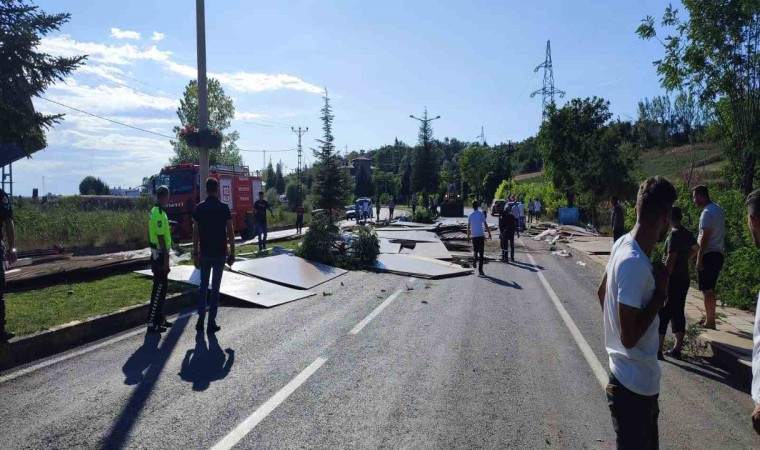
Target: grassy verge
[{"x": 42, "y": 309}]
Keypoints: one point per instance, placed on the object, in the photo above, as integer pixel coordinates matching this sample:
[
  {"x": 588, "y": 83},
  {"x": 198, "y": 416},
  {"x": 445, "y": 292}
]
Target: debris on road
[
  {"x": 581, "y": 263},
  {"x": 564, "y": 253}
]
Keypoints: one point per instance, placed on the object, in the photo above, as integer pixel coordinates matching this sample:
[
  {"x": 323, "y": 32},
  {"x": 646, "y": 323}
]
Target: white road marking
[
  {"x": 588, "y": 354},
  {"x": 359, "y": 326},
  {"x": 56, "y": 360},
  {"x": 270, "y": 405}
]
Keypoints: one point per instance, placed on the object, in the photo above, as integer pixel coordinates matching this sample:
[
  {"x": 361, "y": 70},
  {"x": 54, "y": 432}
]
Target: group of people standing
[{"x": 639, "y": 298}]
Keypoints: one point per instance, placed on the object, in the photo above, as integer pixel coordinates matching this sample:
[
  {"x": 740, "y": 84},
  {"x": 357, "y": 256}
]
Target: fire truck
[{"x": 237, "y": 188}]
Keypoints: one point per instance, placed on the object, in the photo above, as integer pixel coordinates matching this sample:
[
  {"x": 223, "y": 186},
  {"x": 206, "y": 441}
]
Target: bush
[
  {"x": 365, "y": 247},
  {"x": 319, "y": 241},
  {"x": 422, "y": 215},
  {"x": 551, "y": 199}
]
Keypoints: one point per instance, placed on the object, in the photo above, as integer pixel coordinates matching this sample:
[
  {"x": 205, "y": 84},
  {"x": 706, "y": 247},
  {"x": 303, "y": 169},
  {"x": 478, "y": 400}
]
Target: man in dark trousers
[
  {"x": 160, "y": 244},
  {"x": 212, "y": 231},
  {"x": 618, "y": 219},
  {"x": 631, "y": 294},
  {"x": 508, "y": 227},
  {"x": 753, "y": 221},
  {"x": 9, "y": 256},
  {"x": 299, "y": 218},
  {"x": 476, "y": 227},
  {"x": 260, "y": 208}
]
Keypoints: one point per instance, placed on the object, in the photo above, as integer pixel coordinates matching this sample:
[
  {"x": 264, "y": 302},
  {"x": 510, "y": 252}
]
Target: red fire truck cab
[{"x": 237, "y": 188}]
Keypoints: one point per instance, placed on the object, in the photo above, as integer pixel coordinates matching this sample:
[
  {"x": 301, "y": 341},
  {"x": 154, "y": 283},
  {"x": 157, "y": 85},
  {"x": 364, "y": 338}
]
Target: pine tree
[
  {"x": 424, "y": 176},
  {"x": 270, "y": 176},
  {"x": 26, "y": 73},
  {"x": 331, "y": 185},
  {"x": 279, "y": 179}
]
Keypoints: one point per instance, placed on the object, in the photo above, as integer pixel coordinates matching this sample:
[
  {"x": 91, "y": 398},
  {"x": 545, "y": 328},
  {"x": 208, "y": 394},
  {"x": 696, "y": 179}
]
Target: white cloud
[
  {"x": 261, "y": 82},
  {"x": 121, "y": 54},
  {"x": 103, "y": 99},
  {"x": 124, "y": 34},
  {"x": 248, "y": 115},
  {"x": 157, "y": 37}
]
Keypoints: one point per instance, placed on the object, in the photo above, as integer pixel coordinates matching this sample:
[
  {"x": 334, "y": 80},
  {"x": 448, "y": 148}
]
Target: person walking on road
[
  {"x": 753, "y": 220},
  {"x": 160, "y": 242},
  {"x": 212, "y": 232},
  {"x": 260, "y": 208},
  {"x": 618, "y": 219},
  {"x": 507, "y": 229},
  {"x": 377, "y": 208},
  {"x": 521, "y": 215},
  {"x": 476, "y": 228},
  {"x": 365, "y": 207},
  {"x": 537, "y": 210},
  {"x": 391, "y": 207},
  {"x": 8, "y": 255},
  {"x": 299, "y": 218},
  {"x": 680, "y": 247},
  {"x": 531, "y": 210},
  {"x": 712, "y": 233},
  {"x": 631, "y": 294},
  {"x": 414, "y": 205}
]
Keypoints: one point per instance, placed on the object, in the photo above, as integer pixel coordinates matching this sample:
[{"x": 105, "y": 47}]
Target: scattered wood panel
[
  {"x": 418, "y": 266},
  {"x": 240, "y": 287},
  {"x": 289, "y": 271},
  {"x": 435, "y": 250}
]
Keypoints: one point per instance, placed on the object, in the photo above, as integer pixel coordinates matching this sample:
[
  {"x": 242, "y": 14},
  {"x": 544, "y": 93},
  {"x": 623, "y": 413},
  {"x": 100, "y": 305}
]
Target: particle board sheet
[
  {"x": 593, "y": 246},
  {"x": 241, "y": 287},
  {"x": 408, "y": 235},
  {"x": 386, "y": 246},
  {"x": 290, "y": 271},
  {"x": 411, "y": 225},
  {"x": 435, "y": 250},
  {"x": 418, "y": 266}
]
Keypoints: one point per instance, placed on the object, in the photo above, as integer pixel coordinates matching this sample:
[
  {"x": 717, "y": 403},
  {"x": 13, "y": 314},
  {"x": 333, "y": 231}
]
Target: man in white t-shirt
[
  {"x": 753, "y": 219},
  {"x": 537, "y": 210},
  {"x": 631, "y": 294},
  {"x": 712, "y": 233},
  {"x": 476, "y": 228},
  {"x": 521, "y": 212}
]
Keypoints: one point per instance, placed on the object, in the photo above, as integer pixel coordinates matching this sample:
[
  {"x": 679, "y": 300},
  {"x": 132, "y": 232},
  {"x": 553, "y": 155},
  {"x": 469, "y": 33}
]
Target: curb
[{"x": 25, "y": 349}]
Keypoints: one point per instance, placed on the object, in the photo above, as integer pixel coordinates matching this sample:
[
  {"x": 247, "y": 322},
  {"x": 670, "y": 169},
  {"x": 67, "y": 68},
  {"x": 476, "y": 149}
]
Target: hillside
[{"x": 707, "y": 159}]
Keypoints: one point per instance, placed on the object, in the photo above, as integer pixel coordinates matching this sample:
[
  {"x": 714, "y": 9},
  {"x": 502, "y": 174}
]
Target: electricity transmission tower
[
  {"x": 548, "y": 91},
  {"x": 300, "y": 132},
  {"x": 482, "y": 136}
]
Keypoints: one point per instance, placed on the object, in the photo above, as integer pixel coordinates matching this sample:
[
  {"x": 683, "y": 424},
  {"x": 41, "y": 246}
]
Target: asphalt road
[{"x": 467, "y": 362}]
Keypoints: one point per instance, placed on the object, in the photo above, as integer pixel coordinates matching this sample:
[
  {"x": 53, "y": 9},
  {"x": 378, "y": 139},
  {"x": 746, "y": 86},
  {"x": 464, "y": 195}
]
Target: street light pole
[{"x": 200, "y": 19}]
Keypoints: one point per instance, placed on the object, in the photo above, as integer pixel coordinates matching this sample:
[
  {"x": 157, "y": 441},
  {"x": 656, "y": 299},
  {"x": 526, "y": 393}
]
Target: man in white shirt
[
  {"x": 753, "y": 219},
  {"x": 521, "y": 211},
  {"x": 712, "y": 232},
  {"x": 631, "y": 294},
  {"x": 537, "y": 210},
  {"x": 476, "y": 228}
]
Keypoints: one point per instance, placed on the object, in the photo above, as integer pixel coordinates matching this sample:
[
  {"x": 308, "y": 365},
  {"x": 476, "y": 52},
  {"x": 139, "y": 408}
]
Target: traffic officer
[
  {"x": 6, "y": 217},
  {"x": 160, "y": 243}
]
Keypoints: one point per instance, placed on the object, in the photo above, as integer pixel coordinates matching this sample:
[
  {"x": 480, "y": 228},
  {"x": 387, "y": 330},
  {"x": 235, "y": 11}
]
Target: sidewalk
[{"x": 731, "y": 342}]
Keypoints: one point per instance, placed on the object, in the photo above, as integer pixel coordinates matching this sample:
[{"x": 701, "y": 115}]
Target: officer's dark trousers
[{"x": 158, "y": 295}]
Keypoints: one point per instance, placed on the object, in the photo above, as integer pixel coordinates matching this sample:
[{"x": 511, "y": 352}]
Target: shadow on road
[
  {"x": 526, "y": 266},
  {"x": 709, "y": 371},
  {"x": 205, "y": 364},
  {"x": 504, "y": 283},
  {"x": 143, "y": 369}
]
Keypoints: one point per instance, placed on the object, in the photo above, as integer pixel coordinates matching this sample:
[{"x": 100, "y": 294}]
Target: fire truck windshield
[{"x": 179, "y": 182}]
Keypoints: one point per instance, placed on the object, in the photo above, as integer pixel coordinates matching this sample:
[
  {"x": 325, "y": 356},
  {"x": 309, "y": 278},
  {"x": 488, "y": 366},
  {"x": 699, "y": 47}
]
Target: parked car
[
  {"x": 498, "y": 207},
  {"x": 350, "y": 212}
]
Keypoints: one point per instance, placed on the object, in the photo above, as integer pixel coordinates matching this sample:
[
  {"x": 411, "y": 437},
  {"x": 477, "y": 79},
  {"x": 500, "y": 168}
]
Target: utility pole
[
  {"x": 548, "y": 91},
  {"x": 200, "y": 19},
  {"x": 300, "y": 132},
  {"x": 425, "y": 141},
  {"x": 482, "y": 136},
  {"x": 264, "y": 163}
]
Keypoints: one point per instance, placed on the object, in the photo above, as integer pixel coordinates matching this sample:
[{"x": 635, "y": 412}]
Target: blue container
[{"x": 568, "y": 216}]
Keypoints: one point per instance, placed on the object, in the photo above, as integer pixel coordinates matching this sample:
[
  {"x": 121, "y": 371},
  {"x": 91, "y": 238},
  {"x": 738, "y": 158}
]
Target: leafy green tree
[
  {"x": 475, "y": 163},
  {"x": 584, "y": 153},
  {"x": 331, "y": 187},
  {"x": 26, "y": 73},
  {"x": 93, "y": 186},
  {"x": 279, "y": 179},
  {"x": 424, "y": 175},
  {"x": 221, "y": 111},
  {"x": 714, "y": 54}
]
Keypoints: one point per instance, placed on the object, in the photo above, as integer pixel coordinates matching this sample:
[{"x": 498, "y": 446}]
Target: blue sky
[{"x": 469, "y": 62}]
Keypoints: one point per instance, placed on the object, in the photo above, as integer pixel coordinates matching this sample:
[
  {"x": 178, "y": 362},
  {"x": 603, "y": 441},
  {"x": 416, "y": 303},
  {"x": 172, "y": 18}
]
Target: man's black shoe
[
  {"x": 167, "y": 324},
  {"x": 156, "y": 329},
  {"x": 213, "y": 328},
  {"x": 199, "y": 326},
  {"x": 6, "y": 336}
]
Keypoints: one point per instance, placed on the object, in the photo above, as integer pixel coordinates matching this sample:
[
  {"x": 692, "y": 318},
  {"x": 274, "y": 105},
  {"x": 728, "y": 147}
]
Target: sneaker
[
  {"x": 199, "y": 326},
  {"x": 156, "y": 329},
  {"x": 660, "y": 356},
  {"x": 673, "y": 353},
  {"x": 6, "y": 336},
  {"x": 167, "y": 324},
  {"x": 213, "y": 328},
  {"x": 481, "y": 273}
]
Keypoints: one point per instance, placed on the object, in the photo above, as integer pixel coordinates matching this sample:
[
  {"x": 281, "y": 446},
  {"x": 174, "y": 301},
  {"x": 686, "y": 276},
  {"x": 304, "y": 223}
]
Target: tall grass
[{"x": 78, "y": 222}]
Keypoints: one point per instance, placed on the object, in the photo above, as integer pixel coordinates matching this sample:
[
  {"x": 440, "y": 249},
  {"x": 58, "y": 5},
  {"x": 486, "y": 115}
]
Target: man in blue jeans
[{"x": 212, "y": 231}]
